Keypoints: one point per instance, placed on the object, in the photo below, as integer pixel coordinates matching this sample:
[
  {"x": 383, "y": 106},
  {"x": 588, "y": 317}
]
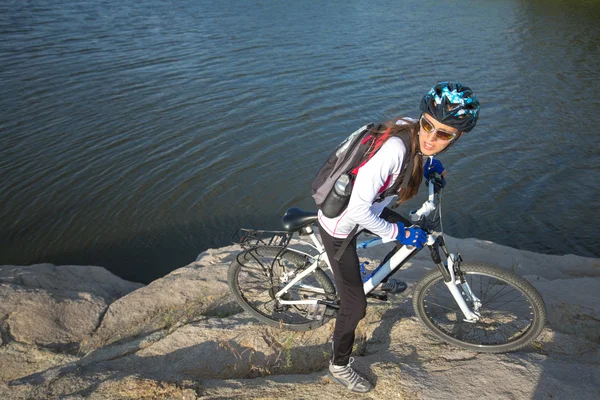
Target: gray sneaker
[
  {"x": 348, "y": 377},
  {"x": 394, "y": 286}
]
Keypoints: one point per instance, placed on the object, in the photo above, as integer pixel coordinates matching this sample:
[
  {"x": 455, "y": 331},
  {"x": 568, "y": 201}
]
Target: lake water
[{"x": 136, "y": 134}]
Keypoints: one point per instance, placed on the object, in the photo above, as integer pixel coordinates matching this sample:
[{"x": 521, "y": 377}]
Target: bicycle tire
[
  {"x": 445, "y": 321},
  {"x": 253, "y": 287}
]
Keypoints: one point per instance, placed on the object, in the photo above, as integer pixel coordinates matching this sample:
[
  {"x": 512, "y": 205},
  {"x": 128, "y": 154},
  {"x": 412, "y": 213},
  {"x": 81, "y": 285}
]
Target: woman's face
[{"x": 433, "y": 142}]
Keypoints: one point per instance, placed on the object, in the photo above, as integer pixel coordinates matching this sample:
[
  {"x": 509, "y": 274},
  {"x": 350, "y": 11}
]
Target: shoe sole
[{"x": 397, "y": 292}]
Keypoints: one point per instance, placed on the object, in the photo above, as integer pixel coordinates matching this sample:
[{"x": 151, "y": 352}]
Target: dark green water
[{"x": 136, "y": 134}]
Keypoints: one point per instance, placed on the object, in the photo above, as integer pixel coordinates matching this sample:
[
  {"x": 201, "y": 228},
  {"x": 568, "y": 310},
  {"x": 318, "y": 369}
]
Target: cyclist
[{"x": 449, "y": 110}]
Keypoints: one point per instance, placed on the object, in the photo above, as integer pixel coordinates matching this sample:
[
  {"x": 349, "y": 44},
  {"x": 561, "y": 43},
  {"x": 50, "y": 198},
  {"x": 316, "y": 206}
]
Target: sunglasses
[{"x": 439, "y": 133}]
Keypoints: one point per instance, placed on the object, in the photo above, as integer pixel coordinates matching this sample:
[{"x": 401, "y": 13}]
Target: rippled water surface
[{"x": 136, "y": 134}]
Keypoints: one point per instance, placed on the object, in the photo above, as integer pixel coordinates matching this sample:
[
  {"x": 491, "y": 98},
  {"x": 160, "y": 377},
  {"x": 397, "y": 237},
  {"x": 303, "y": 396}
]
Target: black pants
[{"x": 353, "y": 302}]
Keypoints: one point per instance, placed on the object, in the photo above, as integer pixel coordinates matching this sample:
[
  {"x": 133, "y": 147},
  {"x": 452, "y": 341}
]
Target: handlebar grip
[{"x": 438, "y": 182}]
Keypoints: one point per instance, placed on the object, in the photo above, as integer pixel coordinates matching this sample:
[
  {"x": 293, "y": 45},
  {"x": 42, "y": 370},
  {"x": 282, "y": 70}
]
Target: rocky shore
[{"x": 79, "y": 332}]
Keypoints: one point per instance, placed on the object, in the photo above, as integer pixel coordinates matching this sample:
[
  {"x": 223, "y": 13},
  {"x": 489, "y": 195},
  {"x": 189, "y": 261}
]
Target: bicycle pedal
[
  {"x": 317, "y": 313},
  {"x": 378, "y": 295}
]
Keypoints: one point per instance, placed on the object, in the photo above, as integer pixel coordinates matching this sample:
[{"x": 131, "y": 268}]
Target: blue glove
[
  {"x": 432, "y": 166},
  {"x": 416, "y": 236}
]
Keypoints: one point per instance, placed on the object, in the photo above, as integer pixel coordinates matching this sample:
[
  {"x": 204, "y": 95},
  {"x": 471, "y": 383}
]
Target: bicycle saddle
[{"x": 295, "y": 219}]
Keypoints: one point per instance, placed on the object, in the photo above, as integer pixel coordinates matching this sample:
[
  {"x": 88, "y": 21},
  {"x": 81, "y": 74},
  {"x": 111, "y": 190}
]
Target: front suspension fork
[{"x": 455, "y": 282}]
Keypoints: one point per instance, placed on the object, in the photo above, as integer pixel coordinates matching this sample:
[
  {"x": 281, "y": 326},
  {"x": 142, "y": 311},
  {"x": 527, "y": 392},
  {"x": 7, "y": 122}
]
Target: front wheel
[
  {"x": 259, "y": 273},
  {"x": 512, "y": 312}
]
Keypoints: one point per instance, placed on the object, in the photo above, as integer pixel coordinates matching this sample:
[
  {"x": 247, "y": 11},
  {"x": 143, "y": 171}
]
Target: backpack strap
[
  {"x": 345, "y": 243},
  {"x": 407, "y": 165},
  {"x": 375, "y": 145}
]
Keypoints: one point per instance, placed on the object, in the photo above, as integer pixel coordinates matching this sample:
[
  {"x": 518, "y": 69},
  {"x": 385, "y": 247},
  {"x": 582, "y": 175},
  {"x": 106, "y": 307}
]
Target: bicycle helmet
[{"x": 452, "y": 104}]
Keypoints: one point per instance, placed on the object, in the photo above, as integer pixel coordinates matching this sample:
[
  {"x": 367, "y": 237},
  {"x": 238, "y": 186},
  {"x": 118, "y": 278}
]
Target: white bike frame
[{"x": 455, "y": 285}]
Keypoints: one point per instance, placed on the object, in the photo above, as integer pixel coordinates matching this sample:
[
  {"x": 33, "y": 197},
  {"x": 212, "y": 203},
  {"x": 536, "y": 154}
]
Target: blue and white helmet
[{"x": 452, "y": 104}]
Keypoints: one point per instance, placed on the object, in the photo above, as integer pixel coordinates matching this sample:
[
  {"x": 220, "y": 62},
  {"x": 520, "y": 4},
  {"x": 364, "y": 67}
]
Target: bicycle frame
[{"x": 451, "y": 272}]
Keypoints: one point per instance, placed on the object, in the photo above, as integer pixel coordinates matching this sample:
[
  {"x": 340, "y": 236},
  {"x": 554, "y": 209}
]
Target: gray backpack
[{"x": 332, "y": 185}]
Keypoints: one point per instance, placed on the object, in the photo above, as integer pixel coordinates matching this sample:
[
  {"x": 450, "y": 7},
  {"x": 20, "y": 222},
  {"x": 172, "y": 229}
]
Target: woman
[{"x": 448, "y": 110}]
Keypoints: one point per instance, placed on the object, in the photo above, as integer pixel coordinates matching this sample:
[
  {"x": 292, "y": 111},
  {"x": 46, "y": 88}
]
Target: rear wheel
[
  {"x": 259, "y": 273},
  {"x": 512, "y": 312}
]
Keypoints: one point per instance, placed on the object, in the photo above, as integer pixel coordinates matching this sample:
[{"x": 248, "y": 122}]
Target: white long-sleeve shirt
[{"x": 384, "y": 167}]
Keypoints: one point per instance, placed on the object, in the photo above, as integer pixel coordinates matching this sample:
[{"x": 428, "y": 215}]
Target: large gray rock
[
  {"x": 176, "y": 343},
  {"x": 197, "y": 289},
  {"x": 89, "y": 279},
  {"x": 222, "y": 348},
  {"x": 49, "y": 318},
  {"x": 48, "y": 310},
  {"x": 56, "y": 306},
  {"x": 214, "y": 358}
]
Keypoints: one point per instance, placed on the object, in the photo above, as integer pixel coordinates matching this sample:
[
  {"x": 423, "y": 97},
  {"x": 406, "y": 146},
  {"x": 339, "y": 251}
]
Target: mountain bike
[{"x": 284, "y": 282}]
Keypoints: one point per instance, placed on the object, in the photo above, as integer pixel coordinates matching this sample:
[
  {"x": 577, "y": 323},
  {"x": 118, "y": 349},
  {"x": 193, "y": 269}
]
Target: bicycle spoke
[
  {"x": 500, "y": 305},
  {"x": 495, "y": 295},
  {"x": 441, "y": 306}
]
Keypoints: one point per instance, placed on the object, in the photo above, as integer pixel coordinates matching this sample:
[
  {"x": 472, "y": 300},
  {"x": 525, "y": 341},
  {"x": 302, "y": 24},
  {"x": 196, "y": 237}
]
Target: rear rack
[{"x": 249, "y": 238}]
